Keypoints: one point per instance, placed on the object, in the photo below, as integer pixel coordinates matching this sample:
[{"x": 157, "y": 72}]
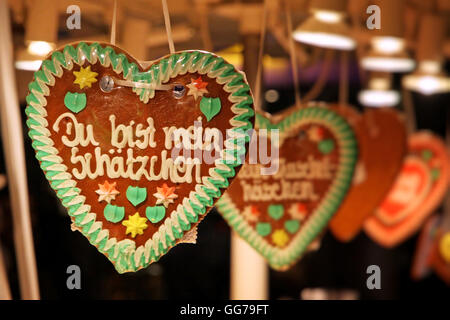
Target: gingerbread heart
[
  {"x": 421, "y": 264},
  {"x": 440, "y": 256},
  {"x": 381, "y": 138},
  {"x": 280, "y": 206},
  {"x": 138, "y": 157},
  {"x": 417, "y": 191}
]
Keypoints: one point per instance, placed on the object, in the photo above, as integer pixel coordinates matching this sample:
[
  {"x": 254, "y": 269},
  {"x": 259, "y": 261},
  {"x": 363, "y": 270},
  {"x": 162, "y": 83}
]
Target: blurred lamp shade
[
  {"x": 326, "y": 27},
  {"x": 429, "y": 78},
  {"x": 388, "y": 54},
  {"x": 378, "y": 94},
  {"x": 387, "y": 46},
  {"x": 27, "y": 61},
  {"x": 41, "y": 32}
]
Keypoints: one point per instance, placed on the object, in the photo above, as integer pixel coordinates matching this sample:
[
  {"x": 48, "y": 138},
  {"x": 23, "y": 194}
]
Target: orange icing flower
[
  {"x": 197, "y": 87},
  {"x": 107, "y": 192},
  {"x": 165, "y": 195},
  {"x": 298, "y": 211},
  {"x": 315, "y": 133},
  {"x": 280, "y": 238},
  {"x": 251, "y": 213},
  {"x": 199, "y": 83}
]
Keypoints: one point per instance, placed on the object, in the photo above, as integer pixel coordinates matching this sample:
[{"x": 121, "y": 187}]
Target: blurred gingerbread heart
[
  {"x": 416, "y": 193},
  {"x": 381, "y": 138},
  {"x": 136, "y": 155},
  {"x": 423, "y": 254},
  {"x": 280, "y": 205},
  {"x": 440, "y": 255}
]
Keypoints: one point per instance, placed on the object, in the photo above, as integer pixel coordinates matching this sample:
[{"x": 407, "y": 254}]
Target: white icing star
[
  {"x": 197, "y": 88},
  {"x": 165, "y": 195},
  {"x": 251, "y": 213},
  {"x": 107, "y": 192},
  {"x": 298, "y": 211}
]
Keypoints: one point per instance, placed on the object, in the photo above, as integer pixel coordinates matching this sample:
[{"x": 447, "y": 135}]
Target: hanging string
[
  {"x": 373, "y": 128},
  {"x": 202, "y": 8},
  {"x": 260, "y": 58},
  {"x": 409, "y": 111},
  {"x": 322, "y": 79},
  {"x": 113, "y": 24},
  {"x": 168, "y": 26},
  {"x": 343, "y": 79},
  {"x": 107, "y": 83},
  {"x": 292, "y": 53}
]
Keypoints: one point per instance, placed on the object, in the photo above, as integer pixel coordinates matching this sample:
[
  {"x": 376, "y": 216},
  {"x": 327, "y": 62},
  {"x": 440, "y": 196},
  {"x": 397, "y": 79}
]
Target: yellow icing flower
[
  {"x": 85, "y": 77},
  {"x": 280, "y": 237},
  {"x": 135, "y": 225}
]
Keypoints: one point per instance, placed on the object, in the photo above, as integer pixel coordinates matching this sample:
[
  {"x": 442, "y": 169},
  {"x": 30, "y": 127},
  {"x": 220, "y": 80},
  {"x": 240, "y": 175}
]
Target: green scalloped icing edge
[
  {"x": 281, "y": 259},
  {"x": 124, "y": 254}
]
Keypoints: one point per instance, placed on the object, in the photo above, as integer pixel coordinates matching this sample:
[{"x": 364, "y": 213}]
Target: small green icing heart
[
  {"x": 427, "y": 155},
  {"x": 326, "y": 146},
  {"x": 210, "y": 107},
  {"x": 435, "y": 173},
  {"x": 292, "y": 226},
  {"x": 75, "y": 102},
  {"x": 155, "y": 214},
  {"x": 263, "y": 228},
  {"x": 136, "y": 195},
  {"x": 276, "y": 211},
  {"x": 114, "y": 213}
]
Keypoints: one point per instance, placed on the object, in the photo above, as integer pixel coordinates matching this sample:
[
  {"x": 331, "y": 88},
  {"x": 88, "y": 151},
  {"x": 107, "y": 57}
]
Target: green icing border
[
  {"x": 124, "y": 254},
  {"x": 281, "y": 259}
]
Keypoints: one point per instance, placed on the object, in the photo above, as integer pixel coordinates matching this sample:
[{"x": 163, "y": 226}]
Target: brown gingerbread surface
[
  {"x": 302, "y": 180},
  {"x": 165, "y": 111},
  {"x": 281, "y": 203},
  {"x": 382, "y": 144}
]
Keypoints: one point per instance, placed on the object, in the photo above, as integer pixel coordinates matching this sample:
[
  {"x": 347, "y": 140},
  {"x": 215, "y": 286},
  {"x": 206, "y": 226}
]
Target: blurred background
[{"x": 410, "y": 53}]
